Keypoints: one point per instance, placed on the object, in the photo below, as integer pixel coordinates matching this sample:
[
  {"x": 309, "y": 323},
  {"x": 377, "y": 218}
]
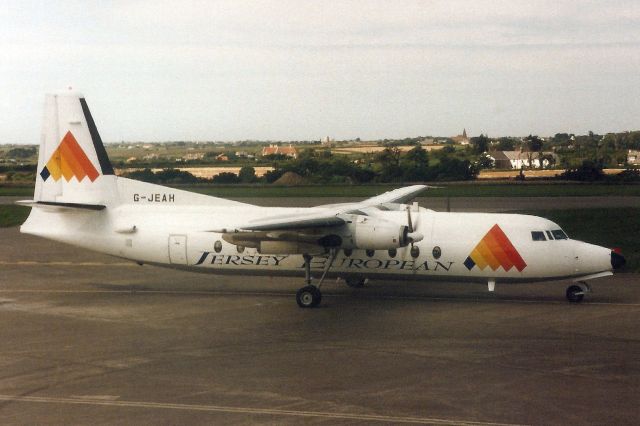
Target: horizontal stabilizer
[{"x": 57, "y": 205}]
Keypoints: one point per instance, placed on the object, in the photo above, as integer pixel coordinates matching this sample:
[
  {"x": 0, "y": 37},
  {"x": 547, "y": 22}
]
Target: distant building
[
  {"x": 633, "y": 157},
  {"x": 519, "y": 159},
  {"x": 327, "y": 141},
  {"x": 222, "y": 157},
  {"x": 150, "y": 157},
  {"x": 273, "y": 149},
  {"x": 461, "y": 139},
  {"x": 194, "y": 156}
]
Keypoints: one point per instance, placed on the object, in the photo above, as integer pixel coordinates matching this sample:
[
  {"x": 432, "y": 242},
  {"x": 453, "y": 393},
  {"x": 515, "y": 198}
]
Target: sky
[{"x": 303, "y": 70}]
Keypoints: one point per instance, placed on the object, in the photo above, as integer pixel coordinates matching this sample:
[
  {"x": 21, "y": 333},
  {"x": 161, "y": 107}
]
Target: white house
[{"x": 519, "y": 159}]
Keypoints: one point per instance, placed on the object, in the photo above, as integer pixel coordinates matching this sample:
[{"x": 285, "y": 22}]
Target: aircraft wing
[
  {"x": 399, "y": 196},
  {"x": 328, "y": 215}
]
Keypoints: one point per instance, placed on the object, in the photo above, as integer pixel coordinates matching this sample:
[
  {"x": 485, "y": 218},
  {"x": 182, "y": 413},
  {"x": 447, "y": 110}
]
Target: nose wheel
[{"x": 575, "y": 293}]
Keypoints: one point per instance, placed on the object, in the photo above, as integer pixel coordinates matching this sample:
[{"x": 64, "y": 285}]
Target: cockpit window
[
  {"x": 538, "y": 236},
  {"x": 559, "y": 234},
  {"x": 549, "y": 235}
]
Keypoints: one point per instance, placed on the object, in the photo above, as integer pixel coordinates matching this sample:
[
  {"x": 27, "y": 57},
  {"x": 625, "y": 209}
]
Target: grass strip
[
  {"x": 16, "y": 191},
  {"x": 475, "y": 189},
  {"x": 12, "y": 215},
  {"x": 459, "y": 190}
]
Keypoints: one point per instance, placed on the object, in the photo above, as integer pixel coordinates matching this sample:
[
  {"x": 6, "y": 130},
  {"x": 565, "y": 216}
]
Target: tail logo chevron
[
  {"x": 495, "y": 250},
  {"x": 69, "y": 160}
]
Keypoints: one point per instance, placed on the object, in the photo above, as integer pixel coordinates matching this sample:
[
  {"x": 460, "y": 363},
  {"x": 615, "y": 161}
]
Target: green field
[
  {"x": 12, "y": 215},
  {"x": 475, "y": 189},
  {"x": 16, "y": 190},
  {"x": 453, "y": 190}
]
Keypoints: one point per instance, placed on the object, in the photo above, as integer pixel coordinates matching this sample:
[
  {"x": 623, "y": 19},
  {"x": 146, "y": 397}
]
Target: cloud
[{"x": 292, "y": 70}]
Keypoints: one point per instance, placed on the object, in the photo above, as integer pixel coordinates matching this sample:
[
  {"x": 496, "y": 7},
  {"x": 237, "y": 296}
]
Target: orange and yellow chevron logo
[
  {"x": 69, "y": 160},
  {"x": 495, "y": 250}
]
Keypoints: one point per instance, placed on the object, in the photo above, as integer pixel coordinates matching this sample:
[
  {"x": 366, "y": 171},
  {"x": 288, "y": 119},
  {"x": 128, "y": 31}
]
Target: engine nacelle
[{"x": 369, "y": 233}]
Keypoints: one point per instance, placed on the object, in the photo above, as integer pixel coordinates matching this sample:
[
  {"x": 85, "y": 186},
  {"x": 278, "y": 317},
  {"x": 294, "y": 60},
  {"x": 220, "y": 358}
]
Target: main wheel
[
  {"x": 575, "y": 294},
  {"x": 355, "y": 282},
  {"x": 308, "y": 296}
]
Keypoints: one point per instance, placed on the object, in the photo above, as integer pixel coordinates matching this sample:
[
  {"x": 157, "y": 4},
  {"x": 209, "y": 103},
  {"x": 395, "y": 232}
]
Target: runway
[{"x": 88, "y": 339}]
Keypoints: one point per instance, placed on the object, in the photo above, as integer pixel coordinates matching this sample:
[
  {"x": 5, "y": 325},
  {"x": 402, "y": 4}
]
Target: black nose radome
[{"x": 617, "y": 260}]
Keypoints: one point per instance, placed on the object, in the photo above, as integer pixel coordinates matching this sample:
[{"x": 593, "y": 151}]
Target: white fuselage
[{"x": 161, "y": 233}]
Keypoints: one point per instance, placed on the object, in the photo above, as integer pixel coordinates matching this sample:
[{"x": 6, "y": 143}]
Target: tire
[
  {"x": 308, "y": 297},
  {"x": 575, "y": 294}
]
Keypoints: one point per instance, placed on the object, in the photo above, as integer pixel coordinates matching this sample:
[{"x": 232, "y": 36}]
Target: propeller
[{"x": 412, "y": 236}]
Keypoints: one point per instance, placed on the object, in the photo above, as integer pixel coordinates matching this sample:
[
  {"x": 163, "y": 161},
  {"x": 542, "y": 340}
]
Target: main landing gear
[
  {"x": 575, "y": 293},
  {"x": 310, "y": 296}
]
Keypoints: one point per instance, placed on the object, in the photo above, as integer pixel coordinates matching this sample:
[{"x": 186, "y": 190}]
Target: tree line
[{"x": 390, "y": 165}]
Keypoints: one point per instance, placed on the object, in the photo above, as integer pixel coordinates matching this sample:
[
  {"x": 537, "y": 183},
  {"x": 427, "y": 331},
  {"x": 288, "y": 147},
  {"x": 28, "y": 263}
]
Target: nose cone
[{"x": 617, "y": 260}]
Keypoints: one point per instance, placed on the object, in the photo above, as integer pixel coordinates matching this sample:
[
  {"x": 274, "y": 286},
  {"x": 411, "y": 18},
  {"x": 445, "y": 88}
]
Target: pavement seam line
[
  {"x": 248, "y": 410},
  {"x": 275, "y": 294}
]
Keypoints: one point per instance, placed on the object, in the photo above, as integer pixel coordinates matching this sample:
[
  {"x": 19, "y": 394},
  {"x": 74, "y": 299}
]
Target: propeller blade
[
  {"x": 409, "y": 223},
  {"x": 415, "y": 237}
]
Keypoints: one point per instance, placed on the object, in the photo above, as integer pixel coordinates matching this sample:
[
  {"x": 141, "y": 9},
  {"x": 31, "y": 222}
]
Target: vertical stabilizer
[{"x": 73, "y": 165}]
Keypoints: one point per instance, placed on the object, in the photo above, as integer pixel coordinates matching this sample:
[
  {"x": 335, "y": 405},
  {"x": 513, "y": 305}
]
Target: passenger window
[
  {"x": 549, "y": 235},
  {"x": 538, "y": 236},
  {"x": 559, "y": 234}
]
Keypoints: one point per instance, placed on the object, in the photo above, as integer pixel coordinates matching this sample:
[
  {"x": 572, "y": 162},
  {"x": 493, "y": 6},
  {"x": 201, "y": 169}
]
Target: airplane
[{"x": 79, "y": 200}]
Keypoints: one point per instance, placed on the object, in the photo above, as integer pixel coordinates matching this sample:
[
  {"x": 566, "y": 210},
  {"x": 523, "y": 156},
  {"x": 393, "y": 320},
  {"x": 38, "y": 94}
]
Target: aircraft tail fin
[
  {"x": 74, "y": 172},
  {"x": 73, "y": 166}
]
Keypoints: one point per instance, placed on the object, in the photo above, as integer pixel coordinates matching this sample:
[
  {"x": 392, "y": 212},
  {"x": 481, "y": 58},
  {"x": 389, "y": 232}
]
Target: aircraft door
[{"x": 178, "y": 249}]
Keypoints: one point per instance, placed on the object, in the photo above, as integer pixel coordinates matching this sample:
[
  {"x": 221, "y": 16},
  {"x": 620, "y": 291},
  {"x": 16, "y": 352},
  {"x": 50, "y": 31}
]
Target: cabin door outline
[{"x": 178, "y": 249}]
